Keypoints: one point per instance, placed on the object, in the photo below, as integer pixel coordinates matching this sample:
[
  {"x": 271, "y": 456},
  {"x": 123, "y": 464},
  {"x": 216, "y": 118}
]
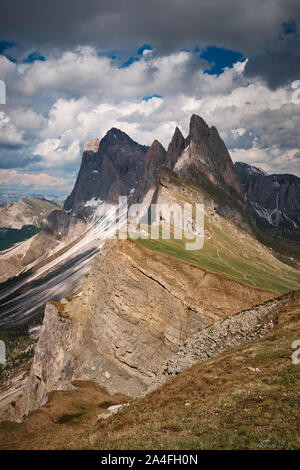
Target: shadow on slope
[{"x": 26, "y": 303}]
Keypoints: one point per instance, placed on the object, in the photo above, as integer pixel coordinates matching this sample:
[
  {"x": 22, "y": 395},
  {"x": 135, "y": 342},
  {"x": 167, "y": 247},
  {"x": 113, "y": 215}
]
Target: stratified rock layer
[
  {"x": 135, "y": 310},
  {"x": 221, "y": 336}
]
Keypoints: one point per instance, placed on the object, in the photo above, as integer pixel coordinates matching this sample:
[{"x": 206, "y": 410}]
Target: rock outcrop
[
  {"x": 175, "y": 149},
  {"x": 221, "y": 336},
  {"x": 118, "y": 166},
  {"x": 136, "y": 308},
  {"x": 155, "y": 158},
  {"x": 206, "y": 159}
]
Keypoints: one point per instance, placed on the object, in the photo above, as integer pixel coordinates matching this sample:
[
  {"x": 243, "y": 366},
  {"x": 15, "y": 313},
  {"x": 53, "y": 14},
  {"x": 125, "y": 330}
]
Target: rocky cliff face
[
  {"x": 135, "y": 310},
  {"x": 120, "y": 166},
  {"x": 274, "y": 200},
  {"x": 175, "y": 149},
  {"x": 201, "y": 159},
  {"x": 106, "y": 172},
  {"x": 155, "y": 158},
  {"x": 223, "y": 335}
]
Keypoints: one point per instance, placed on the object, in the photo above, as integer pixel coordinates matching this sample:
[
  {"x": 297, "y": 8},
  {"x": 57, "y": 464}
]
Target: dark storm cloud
[
  {"x": 166, "y": 24},
  {"x": 15, "y": 158},
  {"x": 279, "y": 64}
]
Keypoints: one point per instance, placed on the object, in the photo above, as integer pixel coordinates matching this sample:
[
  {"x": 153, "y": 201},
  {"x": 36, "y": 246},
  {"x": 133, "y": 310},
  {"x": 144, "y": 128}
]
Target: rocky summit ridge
[{"x": 118, "y": 166}]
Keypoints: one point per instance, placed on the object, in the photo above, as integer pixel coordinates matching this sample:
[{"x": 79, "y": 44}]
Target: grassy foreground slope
[
  {"x": 232, "y": 251},
  {"x": 245, "y": 398}
]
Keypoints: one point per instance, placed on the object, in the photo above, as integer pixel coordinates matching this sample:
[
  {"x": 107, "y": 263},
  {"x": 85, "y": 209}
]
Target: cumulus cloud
[
  {"x": 11, "y": 180},
  {"x": 279, "y": 61},
  {"x": 265, "y": 31},
  {"x": 54, "y": 106},
  {"x": 9, "y": 135},
  {"x": 82, "y": 72}
]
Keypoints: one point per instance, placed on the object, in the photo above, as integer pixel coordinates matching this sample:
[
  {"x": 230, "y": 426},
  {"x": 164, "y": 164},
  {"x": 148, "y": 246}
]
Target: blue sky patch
[
  {"x": 289, "y": 27},
  {"x": 147, "y": 98},
  {"x": 129, "y": 62},
  {"x": 136, "y": 58},
  {"x": 219, "y": 58},
  {"x": 34, "y": 56},
  {"x": 4, "y": 45},
  {"x": 145, "y": 47}
]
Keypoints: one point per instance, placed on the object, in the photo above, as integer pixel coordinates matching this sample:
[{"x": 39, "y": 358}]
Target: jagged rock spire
[
  {"x": 175, "y": 148},
  {"x": 155, "y": 157},
  {"x": 199, "y": 130},
  {"x": 208, "y": 159}
]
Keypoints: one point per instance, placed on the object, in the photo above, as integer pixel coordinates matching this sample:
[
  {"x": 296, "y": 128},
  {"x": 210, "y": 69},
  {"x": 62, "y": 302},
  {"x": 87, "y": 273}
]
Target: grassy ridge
[
  {"x": 40, "y": 204},
  {"x": 227, "y": 248},
  {"x": 230, "y": 251}
]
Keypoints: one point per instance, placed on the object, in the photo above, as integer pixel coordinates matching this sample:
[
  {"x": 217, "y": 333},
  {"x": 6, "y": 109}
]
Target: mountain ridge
[
  {"x": 118, "y": 310},
  {"x": 272, "y": 199}
]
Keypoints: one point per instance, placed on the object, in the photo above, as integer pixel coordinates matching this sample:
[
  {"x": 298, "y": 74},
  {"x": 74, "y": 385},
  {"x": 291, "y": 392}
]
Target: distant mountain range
[
  {"x": 15, "y": 197},
  {"x": 26, "y": 211},
  {"x": 23, "y": 219},
  {"x": 274, "y": 200}
]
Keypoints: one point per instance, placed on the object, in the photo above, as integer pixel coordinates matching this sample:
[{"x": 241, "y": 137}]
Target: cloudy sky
[{"x": 74, "y": 69}]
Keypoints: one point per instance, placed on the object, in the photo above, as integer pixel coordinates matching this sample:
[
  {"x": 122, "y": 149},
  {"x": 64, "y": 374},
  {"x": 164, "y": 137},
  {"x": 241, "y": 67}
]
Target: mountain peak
[
  {"x": 155, "y": 157},
  {"x": 114, "y": 136},
  {"x": 209, "y": 160},
  {"x": 157, "y": 145},
  {"x": 175, "y": 148},
  {"x": 242, "y": 167},
  {"x": 198, "y": 128},
  {"x": 112, "y": 170},
  {"x": 177, "y": 134}
]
